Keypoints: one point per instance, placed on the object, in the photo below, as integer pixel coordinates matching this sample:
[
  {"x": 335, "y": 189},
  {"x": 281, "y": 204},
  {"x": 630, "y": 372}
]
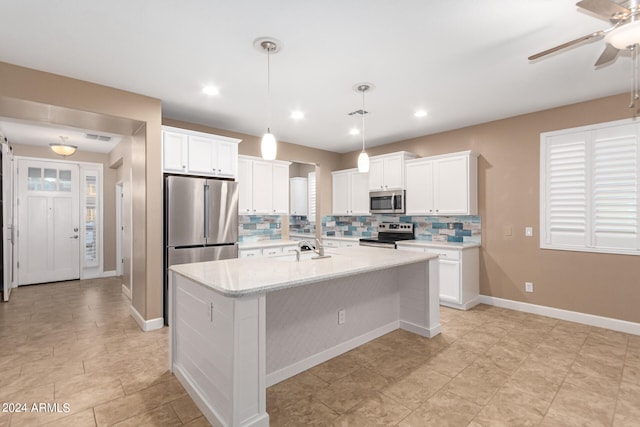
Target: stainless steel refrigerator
[{"x": 201, "y": 222}]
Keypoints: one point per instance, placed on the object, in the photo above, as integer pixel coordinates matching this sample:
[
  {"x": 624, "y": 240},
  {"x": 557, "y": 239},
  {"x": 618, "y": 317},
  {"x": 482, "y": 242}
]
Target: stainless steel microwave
[{"x": 391, "y": 201}]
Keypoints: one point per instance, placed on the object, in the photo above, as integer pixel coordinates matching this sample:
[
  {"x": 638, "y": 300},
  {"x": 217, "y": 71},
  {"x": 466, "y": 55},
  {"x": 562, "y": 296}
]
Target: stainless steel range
[{"x": 389, "y": 233}]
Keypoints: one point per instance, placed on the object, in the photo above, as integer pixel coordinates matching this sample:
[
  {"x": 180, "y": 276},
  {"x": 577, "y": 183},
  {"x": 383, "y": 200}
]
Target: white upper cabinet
[
  {"x": 198, "y": 153},
  {"x": 175, "y": 152},
  {"x": 298, "y": 196},
  {"x": 350, "y": 192},
  {"x": 263, "y": 186},
  {"x": 443, "y": 185},
  {"x": 386, "y": 172}
]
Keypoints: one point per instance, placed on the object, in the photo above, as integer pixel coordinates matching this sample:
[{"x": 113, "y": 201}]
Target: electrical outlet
[
  {"x": 528, "y": 286},
  {"x": 528, "y": 231},
  {"x": 341, "y": 317}
]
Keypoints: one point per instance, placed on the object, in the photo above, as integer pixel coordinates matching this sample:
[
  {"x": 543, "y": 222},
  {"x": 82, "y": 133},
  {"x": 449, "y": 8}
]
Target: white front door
[{"x": 48, "y": 222}]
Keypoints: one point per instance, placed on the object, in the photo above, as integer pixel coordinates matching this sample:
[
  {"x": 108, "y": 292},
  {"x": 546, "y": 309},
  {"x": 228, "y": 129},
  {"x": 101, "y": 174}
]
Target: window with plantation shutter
[
  {"x": 311, "y": 182},
  {"x": 590, "y": 188}
]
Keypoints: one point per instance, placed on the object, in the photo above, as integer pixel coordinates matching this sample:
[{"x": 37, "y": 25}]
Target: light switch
[
  {"x": 528, "y": 231},
  {"x": 506, "y": 230}
]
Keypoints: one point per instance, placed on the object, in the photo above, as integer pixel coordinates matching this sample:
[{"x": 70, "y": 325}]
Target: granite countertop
[
  {"x": 266, "y": 244},
  {"x": 440, "y": 245},
  {"x": 343, "y": 238},
  {"x": 248, "y": 276},
  {"x": 303, "y": 235}
]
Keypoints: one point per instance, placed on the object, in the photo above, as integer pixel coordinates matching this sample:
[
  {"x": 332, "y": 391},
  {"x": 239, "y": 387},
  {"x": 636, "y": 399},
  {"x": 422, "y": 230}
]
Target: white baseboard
[
  {"x": 421, "y": 330},
  {"x": 110, "y": 273},
  {"x": 209, "y": 412},
  {"x": 330, "y": 353},
  {"x": 571, "y": 316},
  {"x": 146, "y": 325},
  {"x": 126, "y": 291}
]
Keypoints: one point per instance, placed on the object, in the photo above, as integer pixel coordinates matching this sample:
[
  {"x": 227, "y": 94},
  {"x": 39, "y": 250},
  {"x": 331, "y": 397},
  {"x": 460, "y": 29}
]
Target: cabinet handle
[{"x": 184, "y": 166}]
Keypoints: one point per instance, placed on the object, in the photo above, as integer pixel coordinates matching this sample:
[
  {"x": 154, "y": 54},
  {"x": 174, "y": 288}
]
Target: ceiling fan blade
[
  {"x": 608, "y": 55},
  {"x": 605, "y": 8},
  {"x": 565, "y": 45}
]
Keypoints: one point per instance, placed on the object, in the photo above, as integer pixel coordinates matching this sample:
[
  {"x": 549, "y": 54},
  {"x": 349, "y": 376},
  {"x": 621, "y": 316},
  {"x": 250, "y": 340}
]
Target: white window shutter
[
  {"x": 565, "y": 202},
  {"x": 311, "y": 191},
  {"x": 615, "y": 187}
]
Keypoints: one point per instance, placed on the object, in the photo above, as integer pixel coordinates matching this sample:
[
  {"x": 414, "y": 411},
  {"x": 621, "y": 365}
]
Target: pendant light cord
[
  {"x": 363, "y": 113},
  {"x": 269, "y": 46}
]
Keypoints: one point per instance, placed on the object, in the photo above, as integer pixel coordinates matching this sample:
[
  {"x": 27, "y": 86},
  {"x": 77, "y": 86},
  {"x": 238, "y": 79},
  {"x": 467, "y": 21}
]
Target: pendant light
[
  {"x": 363, "y": 158},
  {"x": 268, "y": 147},
  {"x": 63, "y": 149}
]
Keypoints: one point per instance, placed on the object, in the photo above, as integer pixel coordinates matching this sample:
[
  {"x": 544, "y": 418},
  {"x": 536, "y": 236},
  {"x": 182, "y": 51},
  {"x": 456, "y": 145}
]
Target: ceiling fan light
[
  {"x": 269, "y": 148},
  {"x": 63, "y": 149},
  {"x": 624, "y": 36},
  {"x": 363, "y": 162}
]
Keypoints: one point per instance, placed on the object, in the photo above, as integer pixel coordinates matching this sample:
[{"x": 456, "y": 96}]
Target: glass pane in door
[
  {"x": 34, "y": 179},
  {"x": 50, "y": 182}
]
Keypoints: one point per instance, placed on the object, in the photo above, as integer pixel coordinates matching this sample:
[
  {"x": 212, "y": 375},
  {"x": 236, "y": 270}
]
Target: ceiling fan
[{"x": 624, "y": 32}]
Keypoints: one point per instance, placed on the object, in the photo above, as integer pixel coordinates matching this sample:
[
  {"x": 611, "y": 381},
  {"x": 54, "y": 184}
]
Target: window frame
[{"x": 590, "y": 238}]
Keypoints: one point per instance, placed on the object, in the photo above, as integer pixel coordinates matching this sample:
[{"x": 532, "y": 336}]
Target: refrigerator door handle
[{"x": 206, "y": 211}]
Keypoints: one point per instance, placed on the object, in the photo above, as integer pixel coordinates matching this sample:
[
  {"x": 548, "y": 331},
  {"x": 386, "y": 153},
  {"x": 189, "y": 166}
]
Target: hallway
[{"x": 74, "y": 343}]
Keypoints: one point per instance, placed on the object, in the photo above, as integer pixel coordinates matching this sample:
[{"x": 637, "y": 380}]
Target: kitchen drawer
[
  {"x": 409, "y": 248},
  {"x": 452, "y": 255},
  {"x": 272, "y": 251},
  {"x": 245, "y": 253},
  {"x": 330, "y": 243}
]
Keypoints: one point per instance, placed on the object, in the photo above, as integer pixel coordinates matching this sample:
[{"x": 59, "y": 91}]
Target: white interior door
[{"x": 48, "y": 222}]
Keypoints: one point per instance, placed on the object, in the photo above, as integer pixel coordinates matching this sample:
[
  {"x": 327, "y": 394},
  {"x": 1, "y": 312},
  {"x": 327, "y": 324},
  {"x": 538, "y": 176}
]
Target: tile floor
[{"x": 75, "y": 343}]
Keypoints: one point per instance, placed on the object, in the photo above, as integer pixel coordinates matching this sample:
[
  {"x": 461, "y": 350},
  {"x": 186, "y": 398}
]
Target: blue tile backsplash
[
  {"x": 459, "y": 229},
  {"x": 255, "y": 228},
  {"x": 301, "y": 224}
]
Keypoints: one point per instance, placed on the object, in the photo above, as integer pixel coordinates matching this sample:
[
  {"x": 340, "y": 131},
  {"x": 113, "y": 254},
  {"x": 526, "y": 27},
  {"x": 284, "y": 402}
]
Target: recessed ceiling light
[
  {"x": 210, "y": 90},
  {"x": 297, "y": 115},
  {"x": 354, "y": 131},
  {"x": 420, "y": 113}
]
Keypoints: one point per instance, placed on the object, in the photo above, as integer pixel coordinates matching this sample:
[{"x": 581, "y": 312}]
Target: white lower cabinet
[
  {"x": 339, "y": 242},
  {"x": 459, "y": 273},
  {"x": 266, "y": 251}
]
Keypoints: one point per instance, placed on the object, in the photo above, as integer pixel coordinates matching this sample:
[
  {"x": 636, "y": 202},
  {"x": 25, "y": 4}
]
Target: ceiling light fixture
[
  {"x": 354, "y": 131},
  {"x": 420, "y": 113},
  {"x": 627, "y": 37},
  {"x": 268, "y": 147},
  {"x": 210, "y": 90},
  {"x": 63, "y": 149},
  {"x": 363, "y": 158},
  {"x": 297, "y": 115}
]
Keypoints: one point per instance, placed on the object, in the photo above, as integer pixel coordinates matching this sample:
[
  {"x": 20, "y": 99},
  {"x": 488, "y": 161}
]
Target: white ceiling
[
  {"x": 465, "y": 62},
  {"x": 45, "y": 134}
]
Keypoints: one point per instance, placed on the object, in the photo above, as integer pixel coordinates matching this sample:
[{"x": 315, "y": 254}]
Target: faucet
[{"x": 319, "y": 249}]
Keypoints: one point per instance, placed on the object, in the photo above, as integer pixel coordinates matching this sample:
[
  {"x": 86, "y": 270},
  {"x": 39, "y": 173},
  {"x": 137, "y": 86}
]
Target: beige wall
[
  {"x": 109, "y": 181},
  {"x": 106, "y": 105},
  {"x": 326, "y": 161},
  {"x": 508, "y": 186}
]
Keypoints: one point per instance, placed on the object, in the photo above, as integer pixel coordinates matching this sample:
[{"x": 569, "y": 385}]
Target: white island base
[{"x": 228, "y": 343}]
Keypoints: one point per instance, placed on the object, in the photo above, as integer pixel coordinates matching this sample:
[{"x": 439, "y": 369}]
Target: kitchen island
[{"x": 241, "y": 325}]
